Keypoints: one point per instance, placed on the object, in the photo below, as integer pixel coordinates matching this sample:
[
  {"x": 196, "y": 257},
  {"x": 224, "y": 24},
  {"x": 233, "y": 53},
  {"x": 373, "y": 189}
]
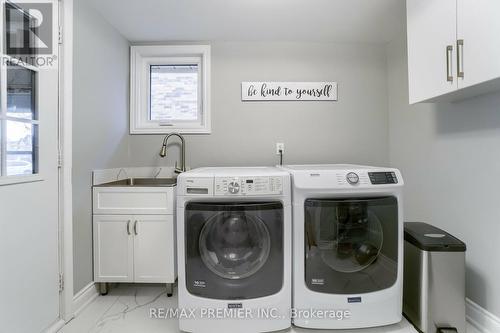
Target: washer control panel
[
  {"x": 352, "y": 178},
  {"x": 248, "y": 185}
]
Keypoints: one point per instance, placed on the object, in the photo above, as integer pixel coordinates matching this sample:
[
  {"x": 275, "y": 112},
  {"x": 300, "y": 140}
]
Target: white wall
[
  {"x": 354, "y": 129},
  {"x": 450, "y": 158},
  {"x": 100, "y": 125}
]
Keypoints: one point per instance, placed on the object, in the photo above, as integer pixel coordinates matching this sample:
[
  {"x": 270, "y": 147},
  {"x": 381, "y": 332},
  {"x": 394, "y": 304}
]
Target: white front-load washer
[
  {"x": 234, "y": 230},
  {"x": 347, "y": 246}
]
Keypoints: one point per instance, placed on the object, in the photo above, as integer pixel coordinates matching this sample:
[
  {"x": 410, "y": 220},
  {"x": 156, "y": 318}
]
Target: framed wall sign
[{"x": 289, "y": 91}]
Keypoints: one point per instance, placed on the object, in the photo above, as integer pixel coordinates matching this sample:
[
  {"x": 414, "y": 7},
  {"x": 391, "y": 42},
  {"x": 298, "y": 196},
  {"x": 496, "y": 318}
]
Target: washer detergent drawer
[{"x": 234, "y": 250}]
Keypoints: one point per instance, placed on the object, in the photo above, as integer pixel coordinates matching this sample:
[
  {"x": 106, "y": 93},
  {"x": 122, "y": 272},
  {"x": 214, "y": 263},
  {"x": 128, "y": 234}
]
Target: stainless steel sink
[{"x": 143, "y": 182}]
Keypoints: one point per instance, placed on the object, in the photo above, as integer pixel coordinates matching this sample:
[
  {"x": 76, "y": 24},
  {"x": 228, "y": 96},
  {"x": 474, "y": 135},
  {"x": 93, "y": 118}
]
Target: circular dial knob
[
  {"x": 352, "y": 178},
  {"x": 233, "y": 187}
]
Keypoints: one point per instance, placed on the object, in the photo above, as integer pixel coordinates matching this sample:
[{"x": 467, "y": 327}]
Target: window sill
[
  {"x": 13, "y": 180},
  {"x": 167, "y": 130}
]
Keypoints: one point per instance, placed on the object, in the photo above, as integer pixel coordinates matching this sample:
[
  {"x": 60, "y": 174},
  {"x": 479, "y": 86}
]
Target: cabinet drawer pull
[
  {"x": 460, "y": 58},
  {"x": 135, "y": 228},
  {"x": 128, "y": 227},
  {"x": 449, "y": 69}
]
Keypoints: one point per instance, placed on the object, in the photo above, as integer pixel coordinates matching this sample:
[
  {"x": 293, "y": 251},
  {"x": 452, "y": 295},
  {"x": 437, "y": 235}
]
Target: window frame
[{"x": 142, "y": 57}]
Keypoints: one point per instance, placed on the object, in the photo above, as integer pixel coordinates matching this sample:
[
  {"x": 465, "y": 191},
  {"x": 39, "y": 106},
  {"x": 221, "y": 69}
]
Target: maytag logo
[
  {"x": 354, "y": 300},
  {"x": 199, "y": 284},
  {"x": 318, "y": 282},
  {"x": 235, "y": 306}
]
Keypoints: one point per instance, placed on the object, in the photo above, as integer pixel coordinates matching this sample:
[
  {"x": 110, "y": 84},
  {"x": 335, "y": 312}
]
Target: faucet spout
[{"x": 163, "y": 152}]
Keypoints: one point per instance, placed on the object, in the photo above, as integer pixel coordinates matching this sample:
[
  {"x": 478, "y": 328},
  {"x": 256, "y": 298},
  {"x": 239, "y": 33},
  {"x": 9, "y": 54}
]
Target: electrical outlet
[{"x": 280, "y": 147}]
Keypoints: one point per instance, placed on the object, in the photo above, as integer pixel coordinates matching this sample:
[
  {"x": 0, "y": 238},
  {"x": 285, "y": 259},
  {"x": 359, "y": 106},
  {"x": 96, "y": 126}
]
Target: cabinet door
[
  {"x": 479, "y": 28},
  {"x": 431, "y": 28},
  {"x": 113, "y": 248},
  {"x": 154, "y": 249}
]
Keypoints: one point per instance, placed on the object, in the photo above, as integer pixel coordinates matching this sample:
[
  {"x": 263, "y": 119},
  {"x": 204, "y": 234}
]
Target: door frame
[{"x": 65, "y": 158}]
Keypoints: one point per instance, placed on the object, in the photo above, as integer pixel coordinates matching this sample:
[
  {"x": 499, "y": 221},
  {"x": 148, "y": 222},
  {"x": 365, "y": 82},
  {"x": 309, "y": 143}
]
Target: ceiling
[{"x": 372, "y": 21}]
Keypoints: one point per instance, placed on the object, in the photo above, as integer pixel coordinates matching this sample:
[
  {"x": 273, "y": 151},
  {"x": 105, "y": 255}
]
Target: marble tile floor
[{"x": 127, "y": 306}]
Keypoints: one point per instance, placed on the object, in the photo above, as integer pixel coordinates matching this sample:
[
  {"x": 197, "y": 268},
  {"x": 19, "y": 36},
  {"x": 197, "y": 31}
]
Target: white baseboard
[
  {"x": 55, "y": 327},
  {"x": 84, "y": 297},
  {"x": 484, "y": 321}
]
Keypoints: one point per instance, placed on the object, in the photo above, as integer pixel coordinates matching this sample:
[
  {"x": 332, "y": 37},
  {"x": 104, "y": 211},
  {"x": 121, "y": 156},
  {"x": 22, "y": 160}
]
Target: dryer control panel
[
  {"x": 382, "y": 178},
  {"x": 248, "y": 186}
]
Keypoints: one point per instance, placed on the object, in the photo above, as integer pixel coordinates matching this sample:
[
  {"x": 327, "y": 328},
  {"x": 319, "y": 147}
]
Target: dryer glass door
[
  {"x": 351, "y": 246},
  {"x": 234, "y": 250}
]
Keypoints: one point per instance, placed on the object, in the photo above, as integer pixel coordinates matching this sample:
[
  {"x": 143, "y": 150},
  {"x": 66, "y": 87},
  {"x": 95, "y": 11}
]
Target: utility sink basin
[{"x": 143, "y": 182}]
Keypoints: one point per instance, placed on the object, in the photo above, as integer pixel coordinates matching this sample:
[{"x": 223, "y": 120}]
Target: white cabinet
[
  {"x": 132, "y": 247},
  {"x": 113, "y": 248},
  {"x": 431, "y": 44},
  {"x": 154, "y": 249},
  {"x": 133, "y": 200},
  {"x": 478, "y": 26},
  {"x": 452, "y": 49}
]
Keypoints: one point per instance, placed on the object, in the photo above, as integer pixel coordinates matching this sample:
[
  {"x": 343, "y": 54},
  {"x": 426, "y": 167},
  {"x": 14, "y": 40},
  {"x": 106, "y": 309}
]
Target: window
[
  {"x": 20, "y": 139},
  {"x": 19, "y": 122},
  {"x": 169, "y": 89},
  {"x": 174, "y": 93}
]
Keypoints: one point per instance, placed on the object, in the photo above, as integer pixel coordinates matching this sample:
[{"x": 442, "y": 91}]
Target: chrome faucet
[{"x": 163, "y": 152}]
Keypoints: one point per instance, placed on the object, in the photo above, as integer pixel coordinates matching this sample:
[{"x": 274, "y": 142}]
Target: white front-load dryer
[
  {"x": 234, "y": 249},
  {"x": 347, "y": 246}
]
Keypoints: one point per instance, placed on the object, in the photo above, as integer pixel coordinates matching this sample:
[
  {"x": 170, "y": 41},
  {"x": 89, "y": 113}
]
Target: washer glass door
[
  {"x": 351, "y": 245},
  {"x": 234, "y": 250},
  {"x": 234, "y": 245}
]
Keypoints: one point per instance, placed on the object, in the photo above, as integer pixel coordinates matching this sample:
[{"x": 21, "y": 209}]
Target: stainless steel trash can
[{"x": 434, "y": 279}]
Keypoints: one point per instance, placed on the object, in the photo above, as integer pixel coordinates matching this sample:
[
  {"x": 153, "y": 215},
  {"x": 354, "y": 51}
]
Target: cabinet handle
[
  {"x": 449, "y": 69},
  {"x": 128, "y": 227},
  {"x": 460, "y": 58},
  {"x": 135, "y": 228}
]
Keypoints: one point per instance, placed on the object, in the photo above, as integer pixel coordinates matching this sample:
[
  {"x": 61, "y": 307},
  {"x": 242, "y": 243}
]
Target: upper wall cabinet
[
  {"x": 478, "y": 26},
  {"x": 431, "y": 38},
  {"x": 453, "y": 51}
]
